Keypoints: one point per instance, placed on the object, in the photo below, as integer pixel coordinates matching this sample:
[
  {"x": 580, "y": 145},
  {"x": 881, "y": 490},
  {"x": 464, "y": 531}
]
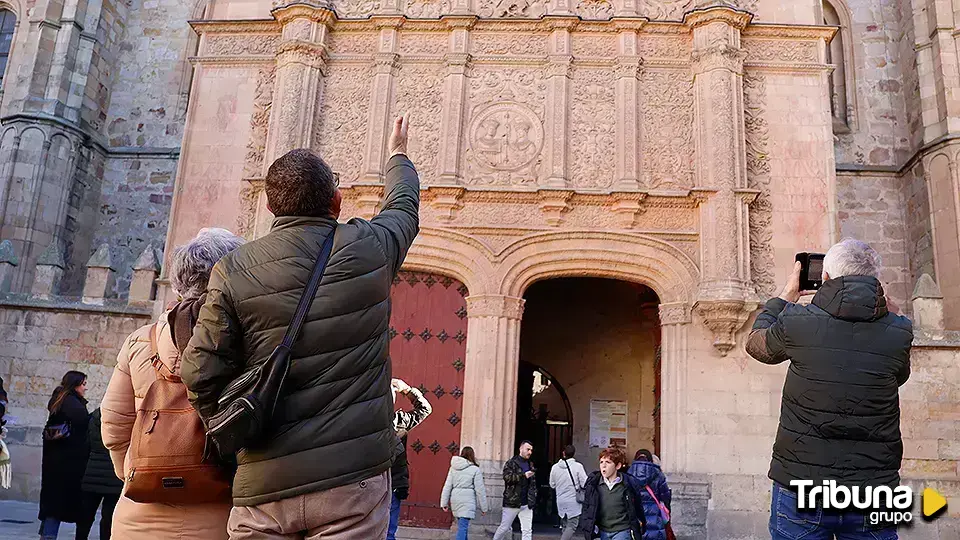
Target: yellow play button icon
[{"x": 933, "y": 502}]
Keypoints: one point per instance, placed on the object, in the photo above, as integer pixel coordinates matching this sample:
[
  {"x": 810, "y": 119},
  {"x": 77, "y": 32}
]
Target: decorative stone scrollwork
[
  {"x": 595, "y": 9},
  {"x": 758, "y": 177},
  {"x": 355, "y": 9},
  {"x": 769, "y": 50},
  {"x": 417, "y": 94},
  {"x": 667, "y": 117},
  {"x": 341, "y": 127},
  {"x": 495, "y": 306},
  {"x": 718, "y": 57},
  {"x": 512, "y": 8},
  {"x": 672, "y": 10},
  {"x": 516, "y": 43},
  {"x": 676, "y": 313},
  {"x": 386, "y": 63},
  {"x": 593, "y": 121},
  {"x": 259, "y": 121},
  {"x": 249, "y": 201},
  {"x": 427, "y": 9},
  {"x": 302, "y": 52},
  {"x": 241, "y": 45},
  {"x": 724, "y": 318}
]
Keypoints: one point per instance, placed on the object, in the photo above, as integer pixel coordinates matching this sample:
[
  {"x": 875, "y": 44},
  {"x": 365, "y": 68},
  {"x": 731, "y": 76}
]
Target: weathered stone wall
[
  {"x": 39, "y": 342},
  {"x": 917, "y": 220},
  {"x": 872, "y": 209},
  {"x": 880, "y": 135}
]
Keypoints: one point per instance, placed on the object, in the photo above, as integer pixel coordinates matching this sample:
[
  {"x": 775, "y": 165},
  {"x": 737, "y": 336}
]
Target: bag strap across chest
[{"x": 157, "y": 363}]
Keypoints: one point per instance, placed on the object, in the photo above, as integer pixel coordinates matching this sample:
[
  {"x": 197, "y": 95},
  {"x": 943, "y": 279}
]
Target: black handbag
[
  {"x": 246, "y": 406},
  {"x": 56, "y": 432}
]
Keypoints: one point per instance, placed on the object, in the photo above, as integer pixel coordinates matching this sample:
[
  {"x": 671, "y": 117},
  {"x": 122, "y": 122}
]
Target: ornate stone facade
[{"x": 684, "y": 145}]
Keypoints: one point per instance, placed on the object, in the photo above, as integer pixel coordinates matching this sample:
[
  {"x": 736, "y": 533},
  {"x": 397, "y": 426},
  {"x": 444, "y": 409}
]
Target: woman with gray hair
[{"x": 189, "y": 273}]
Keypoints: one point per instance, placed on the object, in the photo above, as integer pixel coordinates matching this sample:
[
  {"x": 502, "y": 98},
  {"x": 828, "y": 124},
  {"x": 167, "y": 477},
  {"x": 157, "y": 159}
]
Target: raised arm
[{"x": 398, "y": 223}]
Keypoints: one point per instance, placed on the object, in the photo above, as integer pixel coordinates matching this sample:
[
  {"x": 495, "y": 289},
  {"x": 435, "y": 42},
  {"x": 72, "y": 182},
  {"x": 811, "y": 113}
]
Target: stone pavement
[{"x": 18, "y": 521}]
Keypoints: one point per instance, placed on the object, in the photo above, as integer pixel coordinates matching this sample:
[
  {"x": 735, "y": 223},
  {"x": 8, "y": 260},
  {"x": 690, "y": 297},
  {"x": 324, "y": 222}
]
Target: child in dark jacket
[
  {"x": 612, "y": 506},
  {"x": 650, "y": 475}
]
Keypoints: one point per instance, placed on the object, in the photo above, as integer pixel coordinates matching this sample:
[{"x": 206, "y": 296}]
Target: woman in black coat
[
  {"x": 65, "y": 450},
  {"x": 100, "y": 485}
]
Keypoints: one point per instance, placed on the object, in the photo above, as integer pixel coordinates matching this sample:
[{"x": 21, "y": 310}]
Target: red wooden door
[{"x": 428, "y": 342}]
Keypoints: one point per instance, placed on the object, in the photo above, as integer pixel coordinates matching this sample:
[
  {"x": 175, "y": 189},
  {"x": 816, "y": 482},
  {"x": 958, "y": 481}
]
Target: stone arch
[
  {"x": 641, "y": 259},
  {"x": 447, "y": 252}
]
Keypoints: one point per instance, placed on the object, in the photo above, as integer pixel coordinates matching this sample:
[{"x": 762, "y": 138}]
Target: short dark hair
[
  {"x": 301, "y": 184},
  {"x": 523, "y": 442},
  {"x": 569, "y": 451},
  {"x": 643, "y": 454}
]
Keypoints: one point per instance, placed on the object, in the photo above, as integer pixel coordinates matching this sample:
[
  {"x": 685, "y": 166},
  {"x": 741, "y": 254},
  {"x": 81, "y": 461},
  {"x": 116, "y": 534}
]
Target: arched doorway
[{"x": 593, "y": 346}]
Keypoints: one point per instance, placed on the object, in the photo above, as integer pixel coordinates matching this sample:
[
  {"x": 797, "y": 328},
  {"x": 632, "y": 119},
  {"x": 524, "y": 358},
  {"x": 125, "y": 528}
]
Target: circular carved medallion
[{"x": 506, "y": 136}]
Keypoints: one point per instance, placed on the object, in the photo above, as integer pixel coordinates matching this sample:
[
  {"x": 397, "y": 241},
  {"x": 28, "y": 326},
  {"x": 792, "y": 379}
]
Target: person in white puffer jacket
[{"x": 464, "y": 490}]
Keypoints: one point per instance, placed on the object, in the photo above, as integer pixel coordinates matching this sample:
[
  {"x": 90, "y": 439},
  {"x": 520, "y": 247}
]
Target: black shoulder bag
[
  {"x": 581, "y": 496},
  {"x": 247, "y": 404}
]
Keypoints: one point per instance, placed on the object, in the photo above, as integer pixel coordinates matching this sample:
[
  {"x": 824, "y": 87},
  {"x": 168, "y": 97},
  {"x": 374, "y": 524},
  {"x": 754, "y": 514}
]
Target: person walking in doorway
[
  {"x": 651, "y": 476},
  {"x": 519, "y": 493},
  {"x": 464, "y": 490},
  {"x": 567, "y": 478}
]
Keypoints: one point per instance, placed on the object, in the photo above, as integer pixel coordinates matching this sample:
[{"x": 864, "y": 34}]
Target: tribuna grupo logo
[{"x": 883, "y": 504}]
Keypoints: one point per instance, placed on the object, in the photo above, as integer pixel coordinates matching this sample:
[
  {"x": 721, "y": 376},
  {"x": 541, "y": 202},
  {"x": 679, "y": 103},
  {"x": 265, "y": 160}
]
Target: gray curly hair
[
  {"x": 851, "y": 257},
  {"x": 193, "y": 261}
]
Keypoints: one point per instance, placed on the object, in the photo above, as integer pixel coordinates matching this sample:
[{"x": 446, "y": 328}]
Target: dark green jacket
[
  {"x": 334, "y": 423},
  {"x": 840, "y": 416}
]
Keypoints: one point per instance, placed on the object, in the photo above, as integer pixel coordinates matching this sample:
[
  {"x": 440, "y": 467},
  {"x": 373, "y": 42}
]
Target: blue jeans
[
  {"x": 49, "y": 528},
  {"x": 789, "y": 523},
  {"x": 622, "y": 535},
  {"x": 463, "y": 525},
  {"x": 394, "y": 518}
]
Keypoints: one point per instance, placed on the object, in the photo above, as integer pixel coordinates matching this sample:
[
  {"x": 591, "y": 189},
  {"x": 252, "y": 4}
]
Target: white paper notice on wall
[{"x": 608, "y": 423}]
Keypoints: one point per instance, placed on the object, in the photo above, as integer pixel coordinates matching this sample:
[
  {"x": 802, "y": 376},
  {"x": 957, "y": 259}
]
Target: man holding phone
[
  {"x": 849, "y": 353},
  {"x": 519, "y": 494}
]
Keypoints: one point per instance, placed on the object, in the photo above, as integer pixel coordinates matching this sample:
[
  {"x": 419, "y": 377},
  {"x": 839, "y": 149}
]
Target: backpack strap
[
  {"x": 158, "y": 364},
  {"x": 664, "y": 512},
  {"x": 572, "y": 481}
]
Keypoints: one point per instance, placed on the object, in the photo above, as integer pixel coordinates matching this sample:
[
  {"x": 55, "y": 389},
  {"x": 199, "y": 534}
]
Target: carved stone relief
[
  {"x": 668, "y": 148},
  {"x": 594, "y": 45},
  {"x": 505, "y": 130},
  {"x": 512, "y": 8},
  {"x": 516, "y": 43},
  {"x": 767, "y": 50},
  {"x": 664, "y": 47},
  {"x": 758, "y": 177},
  {"x": 430, "y": 43},
  {"x": 671, "y": 10},
  {"x": 593, "y": 121},
  {"x": 241, "y": 45},
  {"x": 418, "y": 92},
  {"x": 427, "y": 9},
  {"x": 259, "y": 121},
  {"x": 249, "y": 200},
  {"x": 355, "y": 9},
  {"x": 352, "y": 43},
  {"x": 595, "y": 9},
  {"x": 341, "y": 126}
]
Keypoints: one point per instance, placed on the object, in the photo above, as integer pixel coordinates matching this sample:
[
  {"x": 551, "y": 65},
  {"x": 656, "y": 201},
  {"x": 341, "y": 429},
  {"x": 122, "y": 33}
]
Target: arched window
[
  {"x": 840, "y": 54},
  {"x": 8, "y": 21}
]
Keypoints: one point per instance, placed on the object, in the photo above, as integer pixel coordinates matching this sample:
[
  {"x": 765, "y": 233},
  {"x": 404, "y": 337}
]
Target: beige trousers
[{"x": 358, "y": 511}]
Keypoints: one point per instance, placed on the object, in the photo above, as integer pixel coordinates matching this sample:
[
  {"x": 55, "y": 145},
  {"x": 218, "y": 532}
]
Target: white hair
[
  {"x": 851, "y": 257},
  {"x": 193, "y": 261}
]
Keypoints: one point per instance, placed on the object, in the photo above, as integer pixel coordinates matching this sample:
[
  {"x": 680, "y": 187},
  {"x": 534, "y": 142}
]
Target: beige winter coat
[{"x": 131, "y": 379}]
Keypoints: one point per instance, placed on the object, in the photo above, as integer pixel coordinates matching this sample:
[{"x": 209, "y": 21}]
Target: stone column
[
  {"x": 50, "y": 266},
  {"x": 387, "y": 64},
  {"x": 301, "y": 66},
  {"x": 490, "y": 388},
  {"x": 626, "y": 8},
  {"x": 726, "y": 297},
  {"x": 674, "y": 322},
  {"x": 629, "y": 69},
  {"x": 928, "y": 305},
  {"x": 143, "y": 283},
  {"x": 558, "y": 97},
  {"x": 100, "y": 275},
  {"x": 455, "y": 100}
]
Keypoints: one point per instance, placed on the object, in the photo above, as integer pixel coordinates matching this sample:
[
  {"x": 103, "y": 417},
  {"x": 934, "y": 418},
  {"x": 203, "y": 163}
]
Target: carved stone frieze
[
  {"x": 237, "y": 45},
  {"x": 518, "y": 43},
  {"x": 667, "y": 117},
  {"x": 423, "y": 43},
  {"x": 247, "y": 217},
  {"x": 505, "y": 132},
  {"x": 594, "y": 9},
  {"x": 676, "y": 313},
  {"x": 769, "y": 50},
  {"x": 418, "y": 94},
  {"x": 301, "y": 52},
  {"x": 259, "y": 122},
  {"x": 341, "y": 127},
  {"x": 593, "y": 45},
  {"x": 352, "y": 43},
  {"x": 664, "y": 47},
  {"x": 671, "y": 10},
  {"x": 593, "y": 123},
  {"x": 355, "y": 9},
  {"x": 762, "y": 259},
  {"x": 427, "y": 9},
  {"x": 512, "y": 8}
]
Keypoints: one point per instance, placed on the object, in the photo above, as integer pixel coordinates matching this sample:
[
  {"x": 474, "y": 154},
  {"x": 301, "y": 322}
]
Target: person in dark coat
[
  {"x": 519, "y": 493},
  {"x": 100, "y": 484},
  {"x": 650, "y": 475},
  {"x": 403, "y": 422},
  {"x": 331, "y": 442},
  {"x": 65, "y": 450},
  {"x": 849, "y": 353},
  {"x": 612, "y": 504}
]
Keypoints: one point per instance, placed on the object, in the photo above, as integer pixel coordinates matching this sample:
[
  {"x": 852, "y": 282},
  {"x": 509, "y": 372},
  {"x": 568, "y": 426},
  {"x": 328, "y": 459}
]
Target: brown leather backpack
[{"x": 168, "y": 452}]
